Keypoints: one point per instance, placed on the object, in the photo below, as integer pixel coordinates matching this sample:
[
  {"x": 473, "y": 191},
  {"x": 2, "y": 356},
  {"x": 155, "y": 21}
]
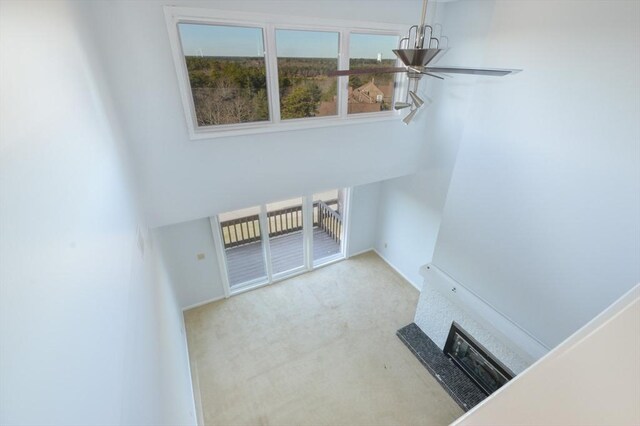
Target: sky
[{"x": 216, "y": 40}]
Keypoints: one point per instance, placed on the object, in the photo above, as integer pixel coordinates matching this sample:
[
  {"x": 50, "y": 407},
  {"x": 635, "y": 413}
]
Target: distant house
[
  {"x": 366, "y": 98},
  {"x": 368, "y": 93}
]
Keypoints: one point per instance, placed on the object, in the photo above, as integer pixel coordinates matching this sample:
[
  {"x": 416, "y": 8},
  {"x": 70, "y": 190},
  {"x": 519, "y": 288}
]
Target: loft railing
[{"x": 245, "y": 230}]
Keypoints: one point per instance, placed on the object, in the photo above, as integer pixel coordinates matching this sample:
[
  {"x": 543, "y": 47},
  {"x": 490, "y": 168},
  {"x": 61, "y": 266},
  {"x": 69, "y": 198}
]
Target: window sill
[{"x": 291, "y": 125}]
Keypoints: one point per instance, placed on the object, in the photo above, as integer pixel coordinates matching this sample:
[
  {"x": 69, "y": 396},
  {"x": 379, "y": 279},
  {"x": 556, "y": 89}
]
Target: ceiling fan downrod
[{"x": 419, "y": 43}]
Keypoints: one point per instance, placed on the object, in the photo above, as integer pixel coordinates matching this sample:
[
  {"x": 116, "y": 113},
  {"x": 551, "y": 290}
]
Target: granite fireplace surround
[{"x": 443, "y": 301}]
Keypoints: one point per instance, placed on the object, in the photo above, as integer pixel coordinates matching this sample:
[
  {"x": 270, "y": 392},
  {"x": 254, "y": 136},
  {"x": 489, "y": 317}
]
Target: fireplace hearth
[
  {"x": 454, "y": 381},
  {"x": 465, "y": 369}
]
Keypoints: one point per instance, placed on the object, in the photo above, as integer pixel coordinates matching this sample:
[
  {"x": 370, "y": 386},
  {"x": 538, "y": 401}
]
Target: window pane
[
  {"x": 328, "y": 226},
  {"x": 285, "y": 235},
  {"x": 304, "y": 59},
  {"x": 241, "y": 236},
  {"x": 371, "y": 92},
  {"x": 227, "y": 73}
]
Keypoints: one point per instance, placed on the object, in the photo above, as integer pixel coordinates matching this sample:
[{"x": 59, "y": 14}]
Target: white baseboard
[
  {"x": 362, "y": 252},
  {"x": 215, "y": 299},
  {"x": 398, "y": 271}
]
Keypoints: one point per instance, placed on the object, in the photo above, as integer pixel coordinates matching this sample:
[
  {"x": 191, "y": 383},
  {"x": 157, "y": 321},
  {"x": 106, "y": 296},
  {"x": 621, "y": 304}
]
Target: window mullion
[
  {"x": 343, "y": 82},
  {"x": 272, "y": 73}
]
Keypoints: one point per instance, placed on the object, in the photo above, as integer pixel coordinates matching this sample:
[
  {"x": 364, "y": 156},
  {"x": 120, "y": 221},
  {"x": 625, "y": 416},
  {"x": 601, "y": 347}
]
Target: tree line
[{"x": 234, "y": 90}]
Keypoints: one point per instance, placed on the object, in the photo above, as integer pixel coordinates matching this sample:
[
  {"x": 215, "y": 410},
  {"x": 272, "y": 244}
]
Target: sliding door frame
[
  {"x": 307, "y": 228},
  {"x": 307, "y": 232},
  {"x": 343, "y": 240},
  {"x": 222, "y": 261},
  {"x": 220, "y": 254},
  {"x": 266, "y": 247}
]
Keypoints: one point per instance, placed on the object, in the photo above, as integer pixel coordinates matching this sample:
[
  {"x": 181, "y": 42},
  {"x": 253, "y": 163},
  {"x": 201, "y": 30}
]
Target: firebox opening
[{"x": 476, "y": 361}]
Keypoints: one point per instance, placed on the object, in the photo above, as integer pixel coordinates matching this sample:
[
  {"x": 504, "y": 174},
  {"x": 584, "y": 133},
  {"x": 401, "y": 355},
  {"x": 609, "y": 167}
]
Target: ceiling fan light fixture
[
  {"x": 417, "y": 50},
  {"x": 417, "y": 101},
  {"x": 401, "y": 105},
  {"x": 416, "y": 57},
  {"x": 410, "y": 116}
]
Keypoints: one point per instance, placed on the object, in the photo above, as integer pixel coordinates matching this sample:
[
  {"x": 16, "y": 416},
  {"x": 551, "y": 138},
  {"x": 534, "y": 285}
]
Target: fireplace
[{"x": 476, "y": 362}]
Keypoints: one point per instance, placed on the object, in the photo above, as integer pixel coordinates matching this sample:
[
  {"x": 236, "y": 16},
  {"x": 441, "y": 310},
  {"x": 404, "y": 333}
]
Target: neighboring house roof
[{"x": 367, "y": 93}]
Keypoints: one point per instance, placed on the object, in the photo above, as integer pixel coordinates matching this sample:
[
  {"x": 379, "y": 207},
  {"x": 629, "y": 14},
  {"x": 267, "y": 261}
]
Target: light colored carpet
[{"x": 317, "y": 349}]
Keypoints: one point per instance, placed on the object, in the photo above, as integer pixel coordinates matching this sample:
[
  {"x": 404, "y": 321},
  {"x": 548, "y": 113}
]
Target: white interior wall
[
  {"x": 408, "y": 222},
  {"x": 184, "y": 180},
  {"x": 542, "y": 212},
  {"x": 195, "y": 280},
  {"x": 157, "y": 385},
  {"x": 89, "y": 332},
  {"x": 544, "y": 205},
  {"x": 410, "y": 207},
  {"x": 363, "y": 213},
  {"x": 198, "y": 281}
]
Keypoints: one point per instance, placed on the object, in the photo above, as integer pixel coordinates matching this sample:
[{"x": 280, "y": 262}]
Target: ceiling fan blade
[
  {"x": 495, "y": 72},
  {"x": 432, "y": 75},
  {"x": 366, "y": 71}
]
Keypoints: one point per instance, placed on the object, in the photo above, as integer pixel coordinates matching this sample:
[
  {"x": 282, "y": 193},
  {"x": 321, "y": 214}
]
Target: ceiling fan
[{"x": 416, "y": 61}]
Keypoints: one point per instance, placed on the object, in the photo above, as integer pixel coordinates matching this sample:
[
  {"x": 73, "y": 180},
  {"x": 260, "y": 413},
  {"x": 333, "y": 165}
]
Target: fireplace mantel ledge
[{"x": 521, "y": 341}]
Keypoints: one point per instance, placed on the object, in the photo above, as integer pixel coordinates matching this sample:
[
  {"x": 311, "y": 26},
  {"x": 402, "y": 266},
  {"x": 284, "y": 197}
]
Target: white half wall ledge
[
  {"x": 593, "y": 377},
  {"x": 444, "y": 300}
]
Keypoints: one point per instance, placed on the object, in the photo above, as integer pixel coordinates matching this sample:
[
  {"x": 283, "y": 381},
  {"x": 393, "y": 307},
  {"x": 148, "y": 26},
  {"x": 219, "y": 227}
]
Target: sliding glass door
[
  {"x": 267, "y": 243},
  {"x": 241, "y": 233},
  {"x": 286, "y": 242},
  {"x": 328, "y": 225}
]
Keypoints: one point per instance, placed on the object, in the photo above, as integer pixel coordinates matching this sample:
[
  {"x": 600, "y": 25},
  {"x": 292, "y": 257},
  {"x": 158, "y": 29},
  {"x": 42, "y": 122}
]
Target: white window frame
[{"x": 269, "y": 23}]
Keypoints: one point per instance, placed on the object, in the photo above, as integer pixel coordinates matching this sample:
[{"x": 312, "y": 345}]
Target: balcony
[{"x": 243, "y": 240}]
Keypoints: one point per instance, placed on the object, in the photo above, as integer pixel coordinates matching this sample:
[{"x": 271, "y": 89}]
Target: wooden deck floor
[{"x": 246, "y": 262}]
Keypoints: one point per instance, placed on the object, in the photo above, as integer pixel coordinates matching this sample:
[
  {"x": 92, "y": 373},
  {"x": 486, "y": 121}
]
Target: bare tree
[{"x": 223, "y": 104}]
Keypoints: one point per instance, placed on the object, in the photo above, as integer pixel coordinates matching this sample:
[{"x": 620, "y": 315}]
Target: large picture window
[
  {"x": 242, "y": 73},
  {"x": 227, "y": 73},
  {"x": 304, "y": 59},
  {"x": 371, "y": 92}
]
